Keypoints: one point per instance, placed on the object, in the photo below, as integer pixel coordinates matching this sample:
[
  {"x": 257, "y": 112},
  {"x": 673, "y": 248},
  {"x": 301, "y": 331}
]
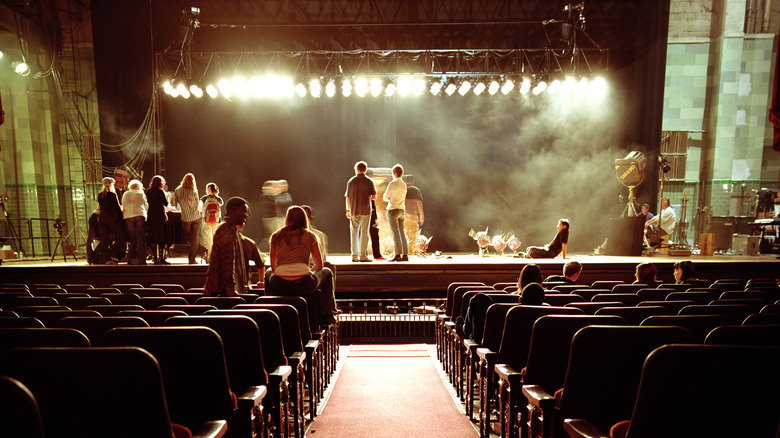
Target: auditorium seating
[
  {"x": 756, "y": 335},
  {"x": 95, "y": 327},
  {"x": 50, "y": 317},
  {"x": 697, "y": 325},
  {"x": 113, "y": 309},
  {"x": 144, "y": 292},
  {"x": 633, "y": 315},
  {"x": 19, "y": 413},
  {"x": 605, "y": 364},
  {"x": 696, "y": 391},
  {"x": 21, "y": 322}
]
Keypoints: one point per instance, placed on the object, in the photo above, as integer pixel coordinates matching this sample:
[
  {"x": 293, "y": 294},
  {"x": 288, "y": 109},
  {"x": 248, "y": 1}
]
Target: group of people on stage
[{"x": 140, "y": 220}]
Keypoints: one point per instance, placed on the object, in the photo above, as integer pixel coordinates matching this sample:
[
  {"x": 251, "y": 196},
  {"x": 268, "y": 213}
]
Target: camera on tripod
[{"x": 58, "y": 225}]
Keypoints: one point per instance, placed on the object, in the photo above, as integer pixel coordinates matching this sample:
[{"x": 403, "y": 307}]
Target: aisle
[{"x": 390, "y": 391}]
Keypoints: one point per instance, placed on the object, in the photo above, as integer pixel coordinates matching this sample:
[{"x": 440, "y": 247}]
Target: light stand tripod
[
  {"x": 15, "y": 239},
  {"x": 63, "y": 243}
]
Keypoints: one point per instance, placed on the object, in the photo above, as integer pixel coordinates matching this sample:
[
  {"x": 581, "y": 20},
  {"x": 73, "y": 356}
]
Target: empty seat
[
  {"x": 629, "y": 288},
  {"x": 634, "y": 315},
  {"x": 191, "y": 297},
  {"x": 19, "y": 413},
  {"x": 113, "y": 309},
  {"x": 94, "y": 327},
  {"x": 735, "y": 312},
  {"x": 654, "y": 294},
  {"x": 762, "y": 319},
  {"x": 41, "y": 337},
  {"x": 152, "y": 303},
  {"x": 77, "y": 287},
  {"x": 50, "y": 317},
  {"x": 155, "y": 318},
  {"x": 97, "y": 392},
  {"x": 700, "y": 297},
  {"x": 189, "y": 309},
  {"x": 561, "y": 299},
  {"x": 221, "y": 302},
  {"x": 21, "y": 322},
  {"x": 120, "y": 298},
  {"x": 697, "y": 325},
  {"x": 606, "y": 284},
  {"x": 687, "y": 391},
  {"x": 590, "y": 308},
  {"x": 628, "y": 299},
  {"x": 589, "y": 293},
  {"x": 757, "y": 335},
  {"x": 80, "y": 303},
  {"x": 98, "y": 291},
  {"x": 169, "y": 288},
  {"x": 143, "y": 292},
  {"x": 124, "y": 287},
  {"x": 8, "y": 314},
  {"x": 673, "y": 306}
]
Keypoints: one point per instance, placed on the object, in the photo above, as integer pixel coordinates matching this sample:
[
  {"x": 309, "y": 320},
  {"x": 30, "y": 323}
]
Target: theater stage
[{"x": 421, "y": 277}]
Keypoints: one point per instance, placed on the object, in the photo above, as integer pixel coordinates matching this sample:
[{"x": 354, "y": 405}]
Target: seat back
[
  {"x": 757, "y": 335},
  {"x": 19, "y": 413},
  {"x": 190, "y": 297},
  {"x": 50, "y": 317},
  {"x": 590, "y": 308},
  {"x": 241, "y": 339},
  {"x": 93, "y": 392},
  {"x": 270, "y": 334},
  {"x": 697, "y": 325},
  {"x": 152, "y": 303},
  {"x": 192, "y": 361},
  {"x": 146, "y": 291},
  {"x": 95, "y": 327},
  {"x": 221, "y": 302},
  {"x": 589, "y": 293},
  {"x": 457, "y": 298},
  {"x": 605, "y": 365},
  {"x": 290, "y": 325},
  {"x": 629, "y": 288},
  {"x": 688, "y": 390},
  {"x": 124, "y": 287},
  {"x": 628, "y": 299},
  {"x": 519, "y": 323},
  {"x": 734, "y": 312},
  {"x": 561, "y": 299},
  {"x": 189, "y": 309},
  {"x": 21, "y": 322},
  {"x": 673, "y": 306},
  {"x": 605, "y": 284},
  {"x": 569, "y": 288},
  {"x": 654, "y": 294},
  {"x": 475, "y": 324},
  {"x": 99, "y": 291},
  {"x": 155, "y": 318},
  {"x": 762, "y": 319},
  {"x": 634, "y": 315},
  {"x": 494, "y": 325},
  {"x": 113, "y": 309},
  {"x": 548, "y": 354},
  {"x": 305, "y": 311},
  {"x": 700, "y": 297},
  {"x": 451, "y": 291},
  {"x": 41, "y": 337},
  {"x": 169, "y": 288},
  {"x": 122, "y": 298}
]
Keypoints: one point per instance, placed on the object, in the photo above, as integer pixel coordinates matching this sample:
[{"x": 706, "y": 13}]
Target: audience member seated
[
  {"x": 683, "y": 272},
  {"x": 571, "y": 271},
  {"x": 532, "y": 295},
  {"x": 645, "y": 274},
  {"x": 530, "y": 274},
  {"x": 291, "y": 248}
]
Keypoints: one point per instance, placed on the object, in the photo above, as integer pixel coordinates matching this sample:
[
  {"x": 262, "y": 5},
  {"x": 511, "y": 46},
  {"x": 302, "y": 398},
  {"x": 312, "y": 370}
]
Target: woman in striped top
[{"x": 186, "y": 196}]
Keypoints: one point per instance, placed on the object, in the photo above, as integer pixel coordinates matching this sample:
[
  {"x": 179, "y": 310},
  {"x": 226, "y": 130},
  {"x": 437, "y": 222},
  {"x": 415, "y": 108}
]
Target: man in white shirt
[{"x": 666, "y": 222}]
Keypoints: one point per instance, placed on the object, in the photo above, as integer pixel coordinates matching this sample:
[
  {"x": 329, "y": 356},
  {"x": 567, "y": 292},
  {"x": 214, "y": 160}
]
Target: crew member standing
[
  {"x": 360, "y": 192},
  {"x": 415, "y": 217}
]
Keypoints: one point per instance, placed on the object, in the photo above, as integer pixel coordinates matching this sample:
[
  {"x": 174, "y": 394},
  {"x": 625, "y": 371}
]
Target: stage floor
[{"x": 421, "y": 276}]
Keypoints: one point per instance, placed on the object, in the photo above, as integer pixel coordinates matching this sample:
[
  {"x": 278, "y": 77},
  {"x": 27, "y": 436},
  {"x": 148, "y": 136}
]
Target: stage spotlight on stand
[
  {"x": 21, "y": 68},
  {"x": 630, "y": 172}
]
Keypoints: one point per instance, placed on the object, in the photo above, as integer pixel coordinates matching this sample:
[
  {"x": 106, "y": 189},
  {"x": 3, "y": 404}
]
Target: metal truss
[{"x": 195, "y": 66}]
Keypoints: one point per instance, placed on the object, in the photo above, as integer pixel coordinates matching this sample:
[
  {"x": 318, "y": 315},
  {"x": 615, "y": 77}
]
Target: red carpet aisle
[{"x": 390, "y": 391}]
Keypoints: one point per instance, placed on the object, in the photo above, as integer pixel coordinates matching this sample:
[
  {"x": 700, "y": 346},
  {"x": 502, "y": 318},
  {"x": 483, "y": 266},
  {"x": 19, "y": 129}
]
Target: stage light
[
  {"x": 224, "y": 88},
  {"x": 451, "y": 87},
  {"x": 346, "y": 88},
  {"x": 539, "y": 88},
  {"x": 508, "y": 86},
  {"x": 376, "y": 87},
  {"x": 479, "y": 88},
  {"x": 568, "y": 84},
  {"x": 167, "y": 87},
  {"x": 554, "y": 86},
  {"x": 256, "y": 87},
  {"x": 390, "y": 89},
  {"x": 196, "y": 91},
  {"x": 315, "y": 88},
  {"x": 525, "y": 86},
  {"x": 21, "y": 68},
  {"x": 582, "y": 86},
  {"x": 493, "y": 88},
  {"x": 240, "y": 87},
  {"x": 300, "y": 89},
  {"x": 212, "y": 91},
  {"x": 1, "y": 54},
  {"x": 598, "y": 88},
  {"x": 361, "y": 87},
  {"x": 405, "y": 84},
  {"x": 465, "y": 86},
  {"x": 419, "y": 87},
  {"x": 183, "y": 91},
  {"x": 435, "y": 88},
  {"x": 330, "y": 88}
]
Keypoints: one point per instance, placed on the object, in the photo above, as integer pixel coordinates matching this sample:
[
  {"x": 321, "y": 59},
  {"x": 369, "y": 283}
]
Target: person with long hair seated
[
  {"x": 291, "y": 247},
  {"x": 645, "y": 274},
  {"x": 530, "y": 274},
  {"x": 683, "y": 272},
  {"x": 532, "y": 295}
]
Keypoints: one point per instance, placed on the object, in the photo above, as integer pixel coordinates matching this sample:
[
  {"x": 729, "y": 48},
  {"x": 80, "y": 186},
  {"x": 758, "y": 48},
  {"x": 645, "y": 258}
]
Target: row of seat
[
  {"x": 488, "y": 351},
  {"x": 282, "y": 325}
]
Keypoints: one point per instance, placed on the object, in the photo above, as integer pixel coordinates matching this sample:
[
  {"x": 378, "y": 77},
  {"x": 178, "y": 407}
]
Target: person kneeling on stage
[
  {"x": 291, "y": 248},
  {"x": 227, "y": 273},
  {"x": 552, "y": 249}
]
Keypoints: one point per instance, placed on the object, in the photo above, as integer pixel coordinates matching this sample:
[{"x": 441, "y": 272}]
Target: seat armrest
[
  {"x": 312, "y": 345},
  {"x": 211, "y": 429},
  {"x": 486, "y": 354},
  {"x": 469, "y": 344},
  {"x": 538, "y": 397},
  {"x": 579, "y": 428},
  {"x": 252, "y": 397},
  {"x": 318, "y": 334},
  {"x": 280, "y": 374},
  {"x": 297, "y": 357},
  {"x": 506, "y": 372}
]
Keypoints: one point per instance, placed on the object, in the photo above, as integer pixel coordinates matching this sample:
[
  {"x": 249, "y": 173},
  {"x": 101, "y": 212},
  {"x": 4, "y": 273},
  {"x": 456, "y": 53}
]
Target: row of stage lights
[{"x": 275, "y": 86}]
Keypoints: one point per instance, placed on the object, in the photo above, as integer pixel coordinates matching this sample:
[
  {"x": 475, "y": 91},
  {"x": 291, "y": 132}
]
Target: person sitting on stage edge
[
  {"x": 227, "y": 273},
  {"x": 532, "y": 295},
  {"x": 571, "y": 271},
  {"x": 552, "y": 249},
  {"x": 645, "y": 274},
  {"x": 683, "y": 272},
  {"x": 530, "y": 274},
  {"x": 291, "y": 248}
]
